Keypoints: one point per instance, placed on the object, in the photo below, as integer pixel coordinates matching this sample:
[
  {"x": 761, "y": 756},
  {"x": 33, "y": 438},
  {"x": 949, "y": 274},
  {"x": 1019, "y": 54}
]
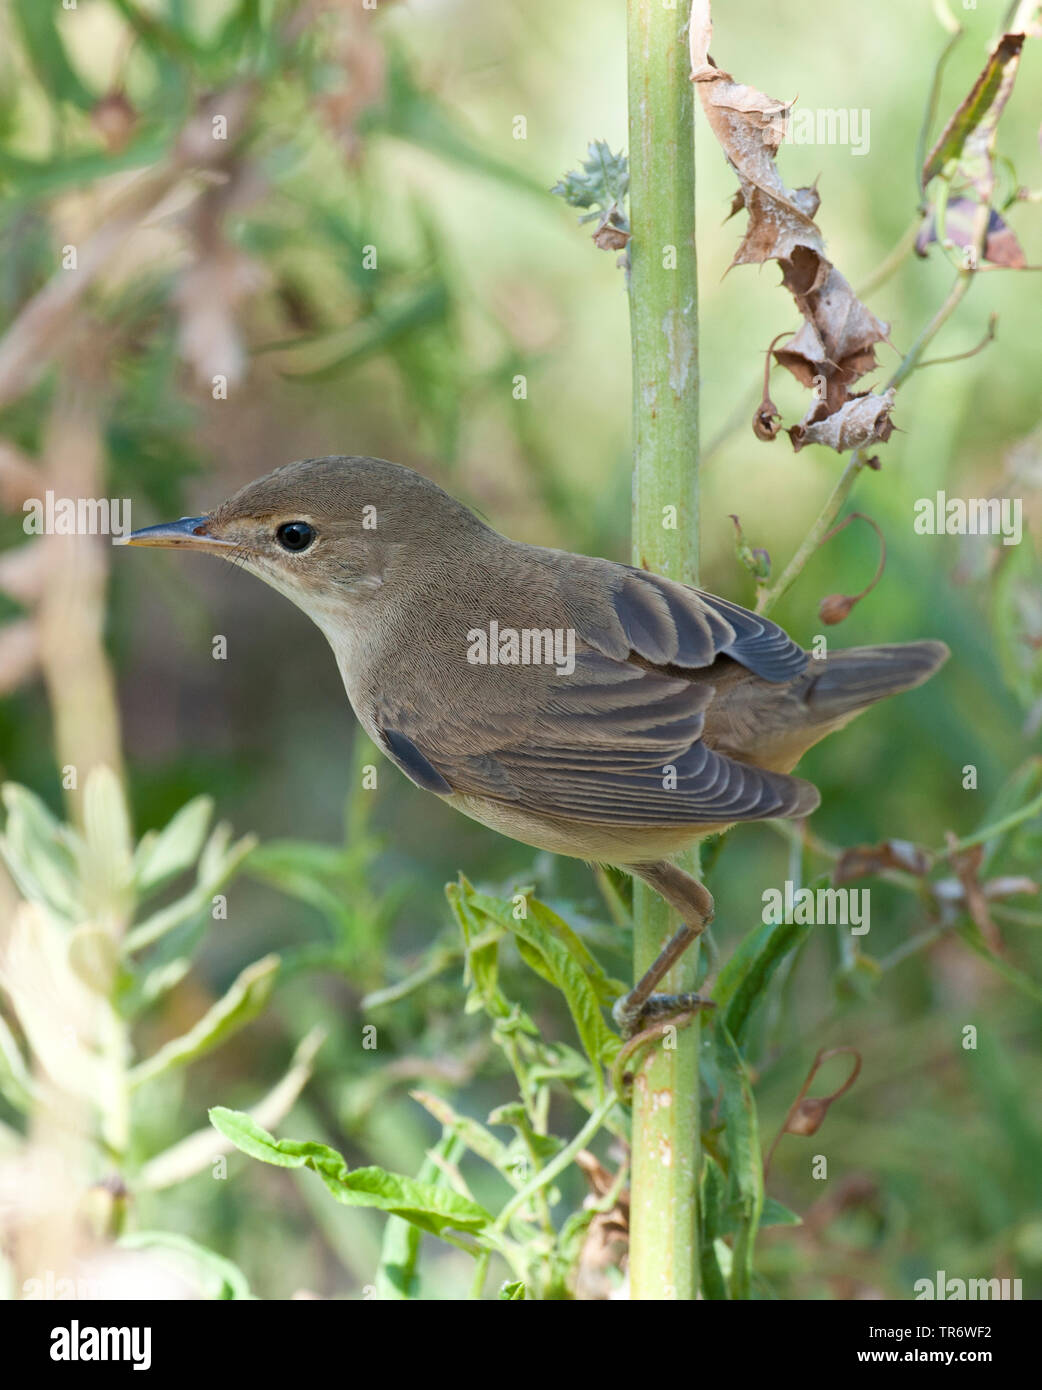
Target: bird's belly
[{"x": 601, "y": 844}]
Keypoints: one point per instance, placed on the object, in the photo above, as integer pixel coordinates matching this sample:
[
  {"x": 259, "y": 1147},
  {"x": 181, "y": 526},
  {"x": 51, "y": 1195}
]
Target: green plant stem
[
  {"x": 664, "y": 327},
  {"x": 557, "y": 1164},
  {"x": 988, "y": 832}
]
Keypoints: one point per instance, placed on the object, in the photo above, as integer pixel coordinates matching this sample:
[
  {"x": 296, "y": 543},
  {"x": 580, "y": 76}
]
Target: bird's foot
[{"x": 633, "y": 1018}]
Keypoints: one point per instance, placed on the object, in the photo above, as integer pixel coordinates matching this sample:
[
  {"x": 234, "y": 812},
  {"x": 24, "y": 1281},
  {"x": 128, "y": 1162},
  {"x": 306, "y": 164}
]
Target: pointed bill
[{"x": 190, "y": 531}]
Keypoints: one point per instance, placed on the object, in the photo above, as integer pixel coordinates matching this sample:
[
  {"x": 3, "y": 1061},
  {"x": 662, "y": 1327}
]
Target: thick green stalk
[{"x": 664, "y": 327}]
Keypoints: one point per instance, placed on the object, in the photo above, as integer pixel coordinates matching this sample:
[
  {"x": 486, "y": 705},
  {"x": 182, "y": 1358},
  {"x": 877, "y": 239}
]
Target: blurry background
[{"x": 370, "y": 260}]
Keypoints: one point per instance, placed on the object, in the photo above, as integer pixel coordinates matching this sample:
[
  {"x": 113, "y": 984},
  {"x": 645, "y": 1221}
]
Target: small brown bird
[{"x": 577, "y": 705}]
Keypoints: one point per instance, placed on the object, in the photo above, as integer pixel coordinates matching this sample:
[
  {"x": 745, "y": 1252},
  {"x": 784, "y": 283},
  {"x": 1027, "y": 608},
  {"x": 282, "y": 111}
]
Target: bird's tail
[{"x": 849, "y": 681}]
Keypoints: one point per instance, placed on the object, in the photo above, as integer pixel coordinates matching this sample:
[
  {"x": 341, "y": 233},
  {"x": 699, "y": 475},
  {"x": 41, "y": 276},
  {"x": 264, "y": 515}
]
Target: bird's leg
[{"x": 695, "y": 905}]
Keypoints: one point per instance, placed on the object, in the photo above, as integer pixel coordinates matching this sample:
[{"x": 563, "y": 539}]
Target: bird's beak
[{"x": 191, "y": 531}]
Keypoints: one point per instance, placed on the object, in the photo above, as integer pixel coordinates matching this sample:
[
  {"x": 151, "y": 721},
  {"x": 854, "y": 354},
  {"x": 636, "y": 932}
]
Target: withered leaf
[
  {"x": 859, "y": 421},
  {"x": 838, "y": 337},
  {"x": 1001, "y": 246},
  {"x": 837, "y": 340},
  {"x": 966, "y": 864},
  {"x": 861, "y": 860},
  {"x": 969, "y": 137}
]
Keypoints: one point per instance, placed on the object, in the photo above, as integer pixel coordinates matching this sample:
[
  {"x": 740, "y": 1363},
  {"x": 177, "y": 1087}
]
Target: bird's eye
[{"x": 295, "y": 535}]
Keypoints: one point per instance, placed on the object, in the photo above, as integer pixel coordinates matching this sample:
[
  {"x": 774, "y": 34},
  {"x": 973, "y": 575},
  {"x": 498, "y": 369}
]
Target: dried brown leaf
[
  {"x": 861, "y": 860},
  {"x": 838, "y": 338},
  {"x": 966, "y": 864},
  {"x": 1001, "y": 246},
  {"x": 861, "y": 420}
]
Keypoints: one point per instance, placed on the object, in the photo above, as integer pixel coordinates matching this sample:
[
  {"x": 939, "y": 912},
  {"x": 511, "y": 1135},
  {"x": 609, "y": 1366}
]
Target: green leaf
[
  {"x": 106, "y": 863},
  {"x": 237, "y": 1007},
  {"x": 160, "y": 857},
  {"x": 745, "y": 1166},
  {"x": 470, "y": 1133},
  {"x": 38, "y": 851},
  {"x": 512, "y": 1291},
  {"x": 556, "y": 960},
  {"x": 969, "y": 135},
  {"x": 36, "y": 19},
  {"x": 482, "y": 954},
  {"x": 773, "y": 1214},
  {"x": 602, "y": 182},
  {"x": 398, "y": 1276},
  {"x": 712, "y": 1216},
  {"x": 16, "y": 1085},
  {"x": 197, "y": 1151},
  {"x": 431, "y": 1208},
  {"x": 218, "y": 861},
  {"x": 743, "y": 981}
]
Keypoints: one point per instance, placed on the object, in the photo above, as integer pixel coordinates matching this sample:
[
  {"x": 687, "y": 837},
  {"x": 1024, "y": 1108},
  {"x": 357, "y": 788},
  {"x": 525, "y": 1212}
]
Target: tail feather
[{"x": 856, "y": 678}]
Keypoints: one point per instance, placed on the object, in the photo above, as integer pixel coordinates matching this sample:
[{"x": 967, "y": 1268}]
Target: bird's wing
[
  {"x": 611, "y": 743},
  {"x": 622, "y": 611}
]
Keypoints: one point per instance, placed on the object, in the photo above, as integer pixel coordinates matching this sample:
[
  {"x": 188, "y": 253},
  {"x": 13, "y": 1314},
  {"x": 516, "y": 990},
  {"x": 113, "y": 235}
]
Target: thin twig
[{"x": 989, "y": 337}]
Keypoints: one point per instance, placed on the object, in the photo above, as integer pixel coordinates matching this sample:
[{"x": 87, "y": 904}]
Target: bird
[{"x": 578, "y": 705}]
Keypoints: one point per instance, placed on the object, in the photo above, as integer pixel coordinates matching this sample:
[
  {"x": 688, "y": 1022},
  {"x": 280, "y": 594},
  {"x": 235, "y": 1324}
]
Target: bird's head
[{"x": 327, "y": 533}]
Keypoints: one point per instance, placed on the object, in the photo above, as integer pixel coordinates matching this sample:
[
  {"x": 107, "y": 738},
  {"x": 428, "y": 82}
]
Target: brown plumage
[{"x": 673, "y": 713}]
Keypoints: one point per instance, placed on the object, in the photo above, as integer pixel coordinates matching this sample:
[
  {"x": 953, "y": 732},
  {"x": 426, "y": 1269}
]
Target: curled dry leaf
[
  {"x": 606, "y": 1246},
  {"x": 861, "y": 860},
  {"x": 1001, "y": 246},
  {"x": 966, "y": 864},
  {"x": 861, "y": 420},
  {"x": 610, "y": 234},
  {"x": 836, "y": 344}
]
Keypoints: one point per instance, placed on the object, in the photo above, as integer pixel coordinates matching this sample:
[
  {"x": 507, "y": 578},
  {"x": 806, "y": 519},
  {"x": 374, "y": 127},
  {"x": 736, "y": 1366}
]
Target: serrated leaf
[
  {"x": 601, "y": 182},
  {"x": 482, "y": 956},
  {"x": 237, "y": 1006},
  {"x": 553, "y": 958},
  {"x": 434, "y": 1209}
]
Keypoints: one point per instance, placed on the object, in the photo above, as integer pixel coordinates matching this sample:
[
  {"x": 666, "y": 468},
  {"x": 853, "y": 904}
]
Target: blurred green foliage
[{"x": 380, "y": 262}]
